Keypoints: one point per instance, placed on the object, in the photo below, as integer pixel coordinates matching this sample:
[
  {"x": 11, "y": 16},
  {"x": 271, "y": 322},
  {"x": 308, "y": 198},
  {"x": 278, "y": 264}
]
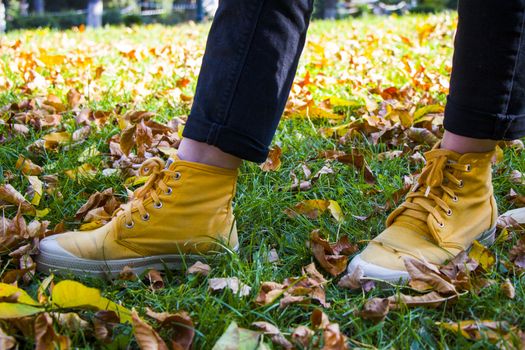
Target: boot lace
[
  {"x": 435, "y": 181},
  {"x": 154, "y": 169}
]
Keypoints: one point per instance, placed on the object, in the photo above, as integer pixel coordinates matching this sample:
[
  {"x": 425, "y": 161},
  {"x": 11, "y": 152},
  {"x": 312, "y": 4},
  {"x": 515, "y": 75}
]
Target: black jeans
[{"x": 254, "y": 46}]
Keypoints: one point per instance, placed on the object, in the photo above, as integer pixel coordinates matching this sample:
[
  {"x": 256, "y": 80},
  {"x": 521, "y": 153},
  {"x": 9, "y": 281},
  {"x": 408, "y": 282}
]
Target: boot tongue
[{"x": 432, "y": 177}]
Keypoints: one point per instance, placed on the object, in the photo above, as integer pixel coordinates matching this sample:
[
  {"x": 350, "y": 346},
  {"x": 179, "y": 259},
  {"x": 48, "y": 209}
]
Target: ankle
[
  {"x": 200, "y": 152},
  {"x": 463, "y": 144}
]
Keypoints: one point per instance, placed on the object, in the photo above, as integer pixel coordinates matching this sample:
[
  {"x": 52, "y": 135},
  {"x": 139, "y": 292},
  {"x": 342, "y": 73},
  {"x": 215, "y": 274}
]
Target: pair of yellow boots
[{"x": 184, "y": 210}]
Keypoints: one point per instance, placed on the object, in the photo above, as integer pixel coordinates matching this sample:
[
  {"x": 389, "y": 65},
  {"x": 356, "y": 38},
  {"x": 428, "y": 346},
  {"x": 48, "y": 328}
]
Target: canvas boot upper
[
  {"x": 450, "y": 206},
  {"x": 184, "y": 208}
]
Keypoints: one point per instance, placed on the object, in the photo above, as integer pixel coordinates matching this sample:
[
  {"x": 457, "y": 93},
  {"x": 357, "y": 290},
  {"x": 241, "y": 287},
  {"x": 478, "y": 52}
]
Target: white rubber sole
[
  {"x": 55, "y": 259},
  {"x": 389, "y": 275},
  {"x": 53, "y": 263}
]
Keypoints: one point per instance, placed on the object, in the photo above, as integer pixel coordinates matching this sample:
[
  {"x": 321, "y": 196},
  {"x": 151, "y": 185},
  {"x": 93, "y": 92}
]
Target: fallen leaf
[
  {"x": 273, "y": 162},
  {"x": 104, "y": 322},
  {"x": 27, "y": 167},
  {"x": 232, "y": 283},
  {"x": 146, "y": 336},
  {"x": 482, "y": 255},
  {"x": 375, "y": 309},
  {"x": 199, "y": 268},
  {"x": 508, "y": 289},
  {"x": 313, "y": 208},
  {"x": 179, "y": 325},
  {"x": 430, "y": 300},
  {"x": 46, "y": 337},
  {"x": 8, "y": 194},
  {"x": 329, "y": 256},
  {"x": 155, "y": 279},
  {"x": 71, "y": 294},
  {"x": 6, "y": 342},
  {"x": 238, "y": 338},
  {"x": 302, "y": 335},
  {"x": 275, "y": 334}
]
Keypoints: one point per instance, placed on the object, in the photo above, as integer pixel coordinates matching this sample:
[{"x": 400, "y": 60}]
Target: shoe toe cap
[
  {"x": 376, "y": 271},
  {"x": 51, "y": 246}
]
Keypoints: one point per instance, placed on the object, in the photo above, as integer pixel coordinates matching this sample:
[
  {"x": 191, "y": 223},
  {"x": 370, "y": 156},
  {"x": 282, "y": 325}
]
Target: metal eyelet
[
  {"x": 177, "y": 176},
  {"x": 469, "y": 168},
  {"x": 460, "y": 185},
  {"x": 455, "y": 198},
  {"x": 169, "y": 191},
  {"x": 130, "y": 224},
  {"x": 157, "y": 205},
  {"x": 145, "y": 217},
  {"x": 441, "y": 224},
  {"x": 449, "y": 212}
]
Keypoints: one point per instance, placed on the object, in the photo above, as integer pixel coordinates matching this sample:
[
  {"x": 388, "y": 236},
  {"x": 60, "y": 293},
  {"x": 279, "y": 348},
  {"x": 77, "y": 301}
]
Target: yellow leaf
[
  {"x": 339, "y": 130},
  {"x": 56, "y": 138},
  {"x": 41, "y": 213},
  {"x": 482, "y": 255},
  {"x": 23, "y": 306},
  {"x": 85, "y": 170},
  {"x": 423, "y": 111},
  {"x": 23, "y": 298},
  {"x": 37, "y": 188},
  {"x": 15, "y": 310},
  {"x": 336, "y": 211},
  {"x": 71, "y": 294},
  {"x": 169, "y": 151}
]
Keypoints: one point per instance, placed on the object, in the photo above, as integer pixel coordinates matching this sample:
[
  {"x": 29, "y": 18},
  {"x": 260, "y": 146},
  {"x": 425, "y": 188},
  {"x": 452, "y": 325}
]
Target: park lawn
[{"x": 154, "y": 68}]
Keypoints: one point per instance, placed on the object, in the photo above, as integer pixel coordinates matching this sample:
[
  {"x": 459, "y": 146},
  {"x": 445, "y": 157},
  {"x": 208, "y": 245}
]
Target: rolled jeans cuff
[
  {"x": 482, "y": 125},
  {"x": 226, "y": 138}
]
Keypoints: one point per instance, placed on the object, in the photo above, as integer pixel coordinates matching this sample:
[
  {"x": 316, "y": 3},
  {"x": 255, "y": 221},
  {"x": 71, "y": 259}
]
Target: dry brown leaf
[
  {"x": 155, "y": 279},
  {"x": 232, "y": 283},
  {"x": 422, "y": 136},
  {"x": 104, "y": 322},
  {"x": 430, "y": 300},
  {"x": 352, "y": 281},
  {"x": 105, "y": 200},
  {"x": 273, "y": 162},
  {"x": 146, "y": 336},
  {"x": 313, "y": 208},
  {"x": 8, "y": 194},
  {"x": 73, "y": 98},
  {"x": 6, "y": 342},
  {"x": 333, "y": 338},
  {"x": 329, "y": 256},
  {"x": 375, "y": 309},
  {"x": 430, "y": 274},
  {"x": 497, "y": 332},
  {"x": 508, "y": 289},
  {"x": 179, "y": 325},
  {"x": 127, "y": 274},
  {"x": 275, "y": 334},
  {"x": 302, "y": 335},
  {"x": 517, "y": 253},
  {"x": 46, "y": 337},
  {"x": 199, "y": 268},
  {"x": 27, "y": 167},
  {"x": 269, "y": 292}
]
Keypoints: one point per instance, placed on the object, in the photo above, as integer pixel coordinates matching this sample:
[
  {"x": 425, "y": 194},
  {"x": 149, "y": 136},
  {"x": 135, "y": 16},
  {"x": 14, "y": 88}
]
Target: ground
[{"x": 358, "y": 70}]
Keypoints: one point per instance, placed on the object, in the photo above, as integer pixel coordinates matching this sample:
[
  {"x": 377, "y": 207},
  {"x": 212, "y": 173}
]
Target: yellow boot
[
  {"x": 451, "y": 205},
  {"x": 182, "y": 211}
]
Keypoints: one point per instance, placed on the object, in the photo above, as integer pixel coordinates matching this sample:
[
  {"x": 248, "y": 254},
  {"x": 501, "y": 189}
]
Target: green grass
[{"x": 262, "y": 197}]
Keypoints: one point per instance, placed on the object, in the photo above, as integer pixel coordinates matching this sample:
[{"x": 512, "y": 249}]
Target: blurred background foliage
[{"x": 64, "y": 14}]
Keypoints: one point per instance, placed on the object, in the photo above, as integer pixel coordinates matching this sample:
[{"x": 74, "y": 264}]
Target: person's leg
[
  {"x": 452, "y": 203},
  {"x": 185, "y": 207},
  {"x": 250, "y": 61}
]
